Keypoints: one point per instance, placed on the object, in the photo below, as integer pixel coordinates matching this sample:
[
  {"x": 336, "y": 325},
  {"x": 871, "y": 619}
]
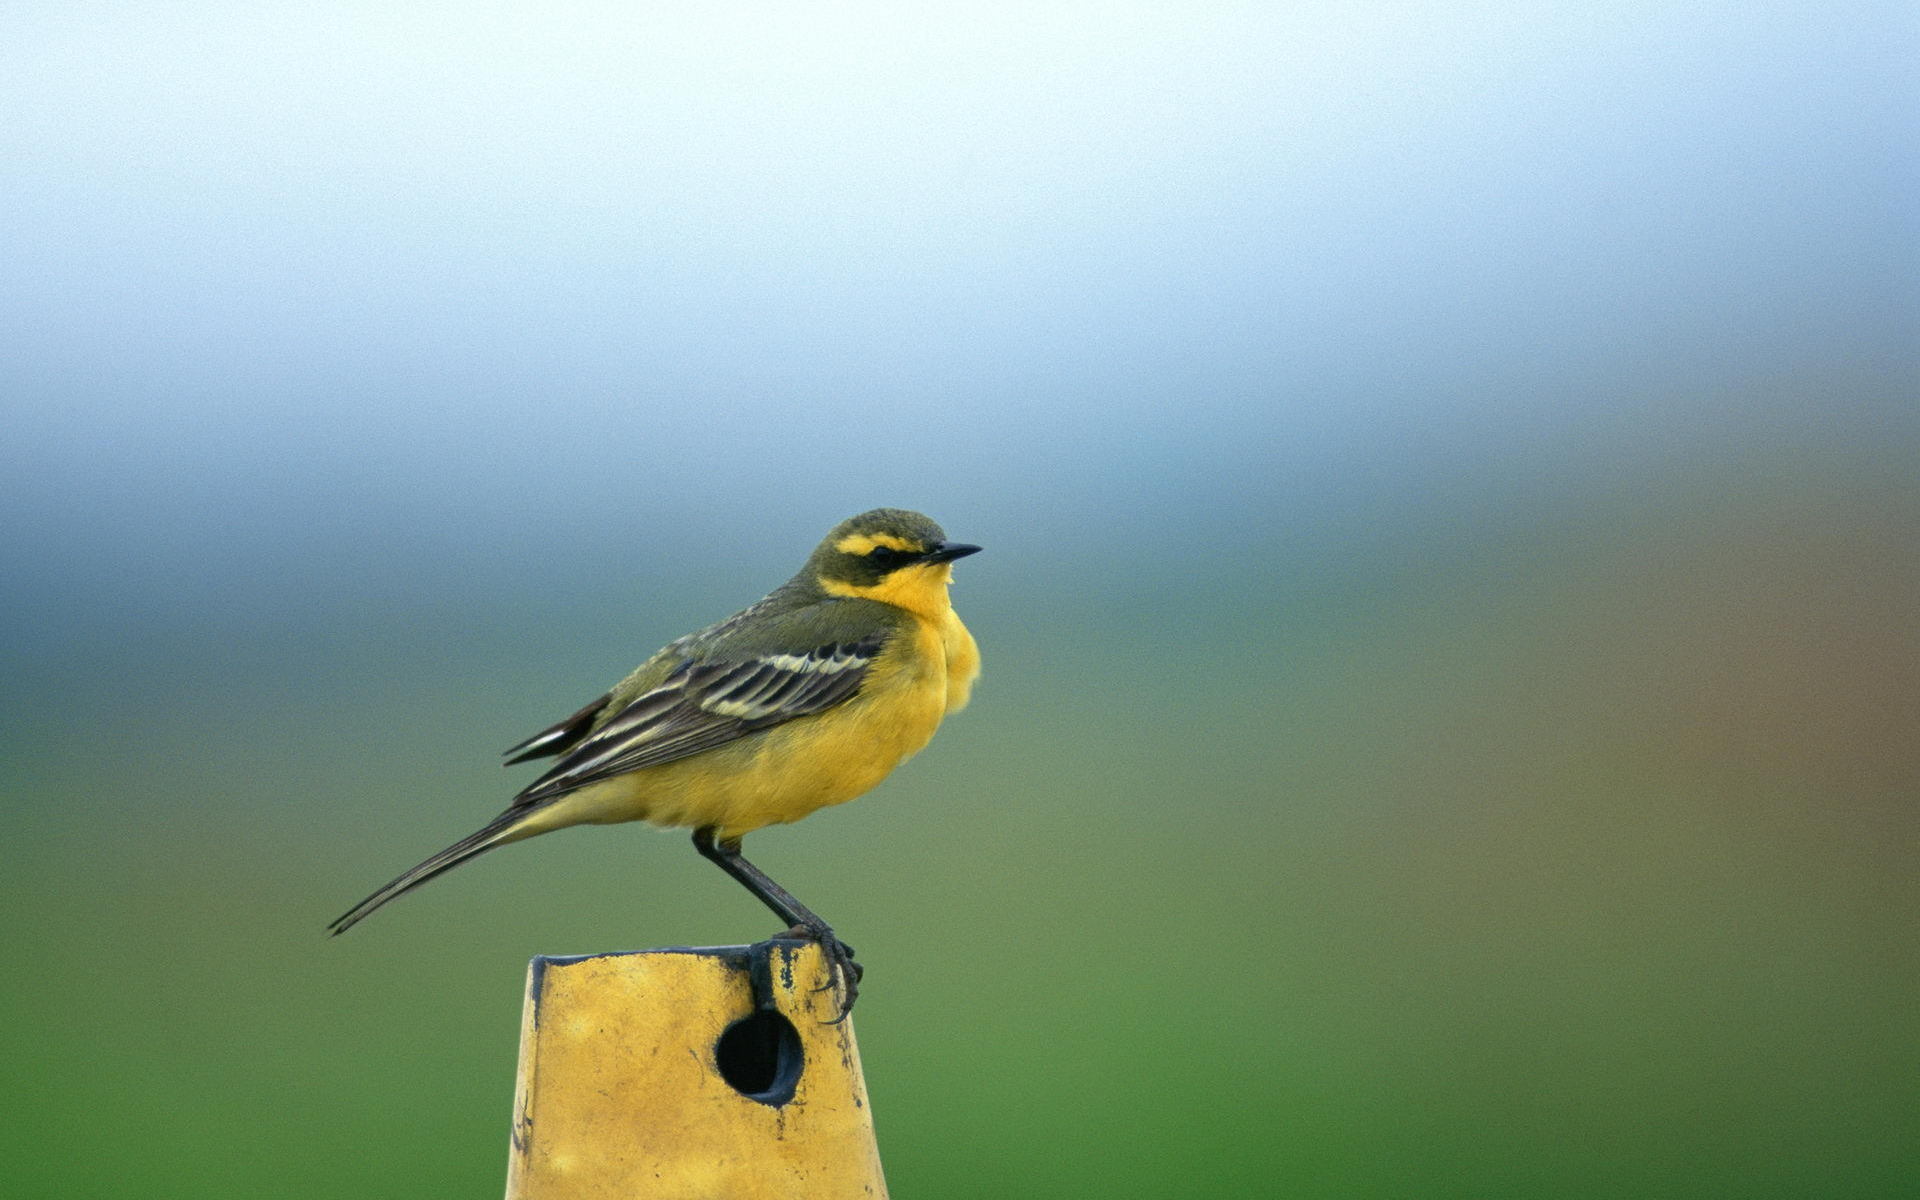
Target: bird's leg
[{"x": 725, "y": 854}]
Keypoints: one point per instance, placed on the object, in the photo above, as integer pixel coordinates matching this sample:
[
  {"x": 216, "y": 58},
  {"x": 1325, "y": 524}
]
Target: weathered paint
[{"x": 619, "y": 1093}]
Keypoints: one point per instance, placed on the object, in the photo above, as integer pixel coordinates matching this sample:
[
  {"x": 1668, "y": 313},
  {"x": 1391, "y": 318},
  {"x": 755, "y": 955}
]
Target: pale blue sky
[{"x": 351, "y": 286}]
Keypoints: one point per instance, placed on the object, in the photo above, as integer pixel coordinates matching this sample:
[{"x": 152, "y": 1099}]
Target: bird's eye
[{"x": 887, "y": 556}]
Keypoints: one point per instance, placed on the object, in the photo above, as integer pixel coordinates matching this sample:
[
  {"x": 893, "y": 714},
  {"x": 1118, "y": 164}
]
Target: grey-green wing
[{"x": 727, "y": 683}]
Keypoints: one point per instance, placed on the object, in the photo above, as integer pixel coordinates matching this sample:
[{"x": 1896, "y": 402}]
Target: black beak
[{"x": 948, "y": 551}]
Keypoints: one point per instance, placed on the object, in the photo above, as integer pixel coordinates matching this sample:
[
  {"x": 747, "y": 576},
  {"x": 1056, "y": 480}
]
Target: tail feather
[{"x": 497, "y": 832}]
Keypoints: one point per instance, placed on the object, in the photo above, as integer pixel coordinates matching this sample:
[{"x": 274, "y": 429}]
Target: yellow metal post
[{"x": 692, "y": 1074}]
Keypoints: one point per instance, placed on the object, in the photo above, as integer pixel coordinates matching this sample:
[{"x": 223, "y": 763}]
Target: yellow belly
[{"x": 793, "y": 769}]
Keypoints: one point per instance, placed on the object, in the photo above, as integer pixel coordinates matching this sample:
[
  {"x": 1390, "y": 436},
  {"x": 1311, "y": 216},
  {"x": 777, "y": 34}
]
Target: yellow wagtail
[{"x": 808, "y": 698}]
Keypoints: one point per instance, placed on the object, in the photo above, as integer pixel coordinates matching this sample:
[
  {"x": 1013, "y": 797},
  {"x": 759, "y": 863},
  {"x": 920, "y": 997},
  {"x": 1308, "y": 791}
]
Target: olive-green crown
[{"x": 864, "y": 549}]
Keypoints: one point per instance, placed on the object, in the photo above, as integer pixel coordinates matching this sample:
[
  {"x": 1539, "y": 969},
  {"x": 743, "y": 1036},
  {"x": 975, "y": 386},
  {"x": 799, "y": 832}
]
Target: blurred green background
[{"x": 1449, "y": 481}]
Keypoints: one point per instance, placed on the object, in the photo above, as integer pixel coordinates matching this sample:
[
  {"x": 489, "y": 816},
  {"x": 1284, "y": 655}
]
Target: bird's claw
[{"x": 843, "y": 973}]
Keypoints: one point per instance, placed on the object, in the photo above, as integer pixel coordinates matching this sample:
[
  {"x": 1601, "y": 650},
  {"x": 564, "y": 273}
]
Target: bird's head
[{"x": 890, "y": 555}]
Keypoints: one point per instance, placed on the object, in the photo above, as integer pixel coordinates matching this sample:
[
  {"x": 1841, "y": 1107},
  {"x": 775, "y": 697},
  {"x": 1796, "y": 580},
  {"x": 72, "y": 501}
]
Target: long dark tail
[{"x": 498, "y": 832}]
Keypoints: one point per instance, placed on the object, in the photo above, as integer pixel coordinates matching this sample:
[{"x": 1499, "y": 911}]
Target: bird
[{"x": 808, "y": 698}]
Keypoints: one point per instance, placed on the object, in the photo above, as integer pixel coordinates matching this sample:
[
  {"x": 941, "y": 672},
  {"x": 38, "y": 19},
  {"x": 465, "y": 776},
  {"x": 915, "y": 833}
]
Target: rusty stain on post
[{"x": 689, "y": 1074}]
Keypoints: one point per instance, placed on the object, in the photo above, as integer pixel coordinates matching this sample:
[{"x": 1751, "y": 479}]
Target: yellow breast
[{"x": 963, "y": 661}]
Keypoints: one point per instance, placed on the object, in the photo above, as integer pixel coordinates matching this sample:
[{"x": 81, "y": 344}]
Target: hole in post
[{"x": 759, "y": 1056}]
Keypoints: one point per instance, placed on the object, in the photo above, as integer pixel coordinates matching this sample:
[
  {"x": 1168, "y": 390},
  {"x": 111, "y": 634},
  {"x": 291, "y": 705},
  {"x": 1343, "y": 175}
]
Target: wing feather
[
  {"x": 558, "y": 737},
  {"x": 707, "y": 704}
]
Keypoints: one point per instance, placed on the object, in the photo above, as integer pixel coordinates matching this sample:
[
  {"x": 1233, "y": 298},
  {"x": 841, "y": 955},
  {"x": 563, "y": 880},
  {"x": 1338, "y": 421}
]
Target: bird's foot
[{"x": 843, "y": 974}]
